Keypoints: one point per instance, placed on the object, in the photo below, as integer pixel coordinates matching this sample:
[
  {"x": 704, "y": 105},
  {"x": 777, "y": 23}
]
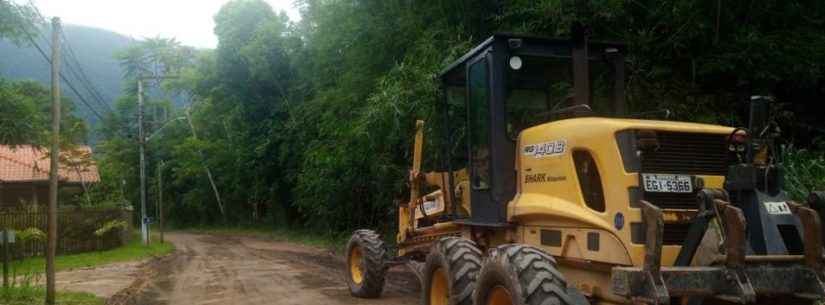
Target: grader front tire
[
  {"x": 450, "y": 272},
  {"x": 365, "y": 264},
  {"x": 520, "y": 275}
]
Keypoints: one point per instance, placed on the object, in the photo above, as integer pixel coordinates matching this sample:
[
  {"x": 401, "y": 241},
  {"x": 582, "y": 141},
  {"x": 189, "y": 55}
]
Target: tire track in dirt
[{"x": 209, "y": 270}]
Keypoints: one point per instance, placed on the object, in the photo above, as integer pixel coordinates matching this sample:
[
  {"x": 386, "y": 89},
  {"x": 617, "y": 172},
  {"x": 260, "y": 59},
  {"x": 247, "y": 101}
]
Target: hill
[{"x": 94, "y": 49}]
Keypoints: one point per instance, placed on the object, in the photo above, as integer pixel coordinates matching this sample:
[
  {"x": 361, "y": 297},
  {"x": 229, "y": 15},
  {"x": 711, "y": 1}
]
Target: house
[{"x": 24, "y": 174}]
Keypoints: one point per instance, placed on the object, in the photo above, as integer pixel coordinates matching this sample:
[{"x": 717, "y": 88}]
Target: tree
[
  {"x": 16, "y": 21},
  {"x": 17, "y": 120},
  {"x": 26, "y": 115},
  {"x": 311, "y": 122}
]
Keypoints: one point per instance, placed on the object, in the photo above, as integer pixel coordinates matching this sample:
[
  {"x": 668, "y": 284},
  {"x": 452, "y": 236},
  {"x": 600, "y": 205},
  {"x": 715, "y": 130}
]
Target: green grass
[
  {"x": 804, "y": 171},
  {"x": 37, "y": 295},
  {"x": 333, "y": 242},
  {"x": 134, "y": 250}
]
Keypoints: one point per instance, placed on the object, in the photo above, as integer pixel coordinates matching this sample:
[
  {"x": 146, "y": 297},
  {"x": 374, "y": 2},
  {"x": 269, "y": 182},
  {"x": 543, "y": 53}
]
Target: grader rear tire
[
  {"x": 450, "y": 272},
  {"x": 520, "y": 275},
  {"x": 365, "y": 264}
]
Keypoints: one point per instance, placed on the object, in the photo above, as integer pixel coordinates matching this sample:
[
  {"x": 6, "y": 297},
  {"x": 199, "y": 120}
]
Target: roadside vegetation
[
  {"x": 27, "y": 275},
  {"x": 34, "y": 295},
  {"x": 308, "y": 124},
  {"x": 805, "y": 170},
  {"x": 134, "y": 250}
]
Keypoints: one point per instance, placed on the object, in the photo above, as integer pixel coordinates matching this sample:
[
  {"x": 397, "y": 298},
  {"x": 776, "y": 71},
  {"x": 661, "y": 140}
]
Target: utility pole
[
  {"x": 51, "y": 236},
  {"x": 144, "y": 229},
  {"x": 160, "y": 199}
]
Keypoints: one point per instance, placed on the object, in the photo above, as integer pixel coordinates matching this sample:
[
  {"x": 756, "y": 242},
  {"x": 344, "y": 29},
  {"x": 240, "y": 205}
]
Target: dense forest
[{"x": 310, "y": 123}]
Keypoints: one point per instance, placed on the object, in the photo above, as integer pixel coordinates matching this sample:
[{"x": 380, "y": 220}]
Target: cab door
[{"x": 487, "y": 209}]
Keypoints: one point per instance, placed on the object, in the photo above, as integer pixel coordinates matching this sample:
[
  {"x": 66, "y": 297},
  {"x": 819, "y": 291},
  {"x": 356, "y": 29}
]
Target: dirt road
[{"x": 240, "y": 270}]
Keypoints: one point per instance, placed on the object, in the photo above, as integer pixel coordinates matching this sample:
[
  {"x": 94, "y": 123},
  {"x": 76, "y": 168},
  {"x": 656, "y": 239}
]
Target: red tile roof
[{"x": 28, "y": 163}]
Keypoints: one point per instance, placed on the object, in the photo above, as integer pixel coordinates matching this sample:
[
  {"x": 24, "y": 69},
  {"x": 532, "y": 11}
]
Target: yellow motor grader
[{"x": 541, "y": 198}]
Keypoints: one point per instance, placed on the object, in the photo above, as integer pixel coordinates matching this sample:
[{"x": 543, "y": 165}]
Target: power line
[
  {"x": 49, "y": 61},
  {"x": 44, "y": 39},
  {"x": 79, "y": 76},
  {"x": 63, "y": 77},
  {"x": 74, "y": 74},
  {"x": 83, "y": 78}
]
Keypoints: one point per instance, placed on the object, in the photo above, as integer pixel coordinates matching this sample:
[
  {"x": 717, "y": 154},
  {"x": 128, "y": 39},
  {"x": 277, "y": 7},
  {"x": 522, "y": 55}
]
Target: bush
[
  {"x": 36, "y": 294},
  {"x": 804, "y": 171}
]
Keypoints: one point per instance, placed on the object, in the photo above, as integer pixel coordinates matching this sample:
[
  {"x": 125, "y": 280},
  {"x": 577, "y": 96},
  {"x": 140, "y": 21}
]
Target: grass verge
[
  {"x": 134, "y": 250},
  {"x": 32, "y": 295},
  {"x": 334, "y": 242}
]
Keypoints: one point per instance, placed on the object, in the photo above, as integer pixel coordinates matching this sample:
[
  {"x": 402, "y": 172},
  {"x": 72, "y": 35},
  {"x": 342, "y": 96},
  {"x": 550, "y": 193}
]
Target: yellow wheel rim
[
  {"x": 355, "y": 258},
  {"x": 499, "y": 296},
  {"x": 439, "y": 291}
]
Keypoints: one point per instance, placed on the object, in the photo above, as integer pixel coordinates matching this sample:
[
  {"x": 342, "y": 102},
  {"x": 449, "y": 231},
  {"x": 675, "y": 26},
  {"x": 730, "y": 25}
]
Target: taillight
[
  {"x": 738, "y": 140},
  {"x": 740, "y": 137}
]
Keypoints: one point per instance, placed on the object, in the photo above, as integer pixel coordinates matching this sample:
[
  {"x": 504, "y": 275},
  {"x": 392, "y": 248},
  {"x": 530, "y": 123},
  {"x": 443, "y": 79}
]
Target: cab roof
[{"x": 560, "y": 47}]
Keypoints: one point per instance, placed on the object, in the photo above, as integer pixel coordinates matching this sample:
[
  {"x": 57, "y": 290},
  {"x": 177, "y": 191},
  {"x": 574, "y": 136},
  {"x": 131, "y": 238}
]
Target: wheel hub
[
  {"x": 439, "y": 290},
  {"x": 499, "y": 296},
  {"x": 355, "y": 258}
]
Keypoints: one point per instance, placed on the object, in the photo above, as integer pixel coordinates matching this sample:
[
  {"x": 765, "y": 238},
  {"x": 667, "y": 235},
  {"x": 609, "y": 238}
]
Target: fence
[{"x": 76, "y": 229}]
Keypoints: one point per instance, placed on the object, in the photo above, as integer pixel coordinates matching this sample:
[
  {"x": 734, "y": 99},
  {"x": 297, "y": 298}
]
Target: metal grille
[
  {"x": 675, "y": 233},
  {"x": 672, "y": 200},
  {"x": 687, "y": 154}
]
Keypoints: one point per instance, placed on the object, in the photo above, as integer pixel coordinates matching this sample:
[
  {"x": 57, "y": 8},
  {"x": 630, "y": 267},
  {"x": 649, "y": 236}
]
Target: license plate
[
  {"x": 664, "y": 183},
  {"x": 777, "y": 208}
]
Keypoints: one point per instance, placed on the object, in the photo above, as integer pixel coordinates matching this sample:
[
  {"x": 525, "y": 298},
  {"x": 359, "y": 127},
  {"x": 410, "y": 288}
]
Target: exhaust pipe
[{"x": 581, "y": 64}]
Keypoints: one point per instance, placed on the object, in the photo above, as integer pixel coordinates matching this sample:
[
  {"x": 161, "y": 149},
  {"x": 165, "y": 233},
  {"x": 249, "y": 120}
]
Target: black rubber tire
[
  {"x": 372, "y": 264},
  {"x": 461, "y": 260},
  {"x": 527, "y": 273}
]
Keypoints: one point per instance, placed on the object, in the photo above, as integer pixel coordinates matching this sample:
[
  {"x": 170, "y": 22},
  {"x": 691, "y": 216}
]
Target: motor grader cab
[{"x": 547, "y": 192}]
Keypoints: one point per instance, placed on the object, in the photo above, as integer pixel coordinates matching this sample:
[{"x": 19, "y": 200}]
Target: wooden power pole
[
  {"x": 160, "y": 199},
  {"x": 51, "y": 236},
  {"x": 144, "y": 227}
]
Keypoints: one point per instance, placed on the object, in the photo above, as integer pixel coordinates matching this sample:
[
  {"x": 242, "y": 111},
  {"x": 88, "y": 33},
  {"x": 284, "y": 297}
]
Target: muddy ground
[
  {"x": 103, "y": 281},
  {"x": 209, "y": 269}
]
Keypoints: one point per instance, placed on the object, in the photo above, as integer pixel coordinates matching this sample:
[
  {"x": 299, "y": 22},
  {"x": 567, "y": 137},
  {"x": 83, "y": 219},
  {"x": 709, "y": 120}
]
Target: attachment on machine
[
  {"x": 757, "y": 258},
  {"x": 653, "y": 287},
  {"x": 739, "y": 280}
]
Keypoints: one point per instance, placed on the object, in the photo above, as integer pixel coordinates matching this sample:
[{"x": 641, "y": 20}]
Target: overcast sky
[{"x": 190, "y": 21}]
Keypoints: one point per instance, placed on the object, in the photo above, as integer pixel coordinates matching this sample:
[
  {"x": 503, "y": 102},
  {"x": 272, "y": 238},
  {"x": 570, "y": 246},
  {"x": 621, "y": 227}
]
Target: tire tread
[
  {"x": 373, "y": 268},
  {"x": 539, "y": 280},
  {"x": 463, "y": 260}
]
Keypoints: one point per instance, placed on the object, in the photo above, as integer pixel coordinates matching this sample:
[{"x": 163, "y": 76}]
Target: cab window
[
  {"x": 479, "y": 115},
  {"x": 538, "y": 85},
  {"x": 535, "y": 85}
]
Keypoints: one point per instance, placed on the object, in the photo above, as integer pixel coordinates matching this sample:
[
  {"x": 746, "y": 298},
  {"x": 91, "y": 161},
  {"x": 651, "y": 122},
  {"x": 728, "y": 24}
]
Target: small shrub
[
  {"x": 804, "y": 171},
  {"x": 31, "y": 234},
  {"x": 111, "y": 226}
]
